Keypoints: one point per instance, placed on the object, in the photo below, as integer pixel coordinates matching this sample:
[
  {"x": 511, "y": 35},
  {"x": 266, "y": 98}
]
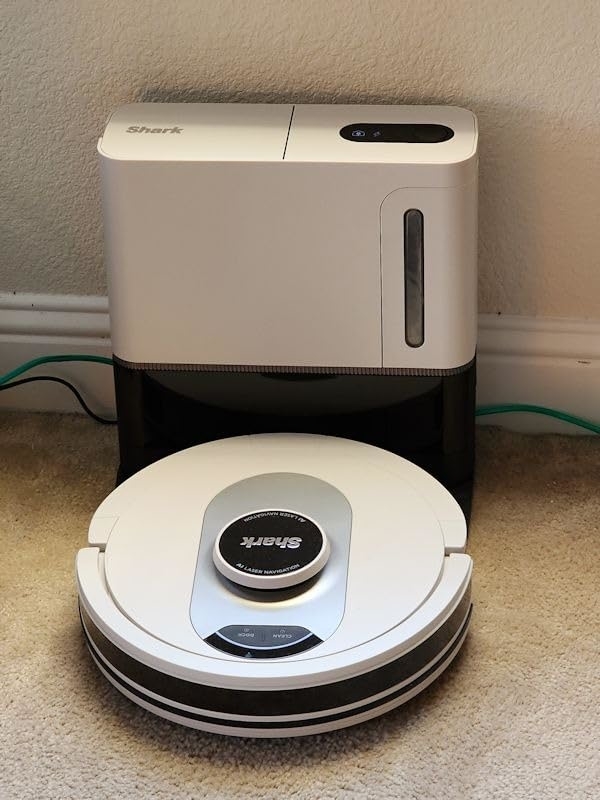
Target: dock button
[{"x": 244, "y": 635}]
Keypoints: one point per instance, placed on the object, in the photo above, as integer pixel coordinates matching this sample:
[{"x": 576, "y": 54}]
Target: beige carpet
[{"x": 517, "y": 716}]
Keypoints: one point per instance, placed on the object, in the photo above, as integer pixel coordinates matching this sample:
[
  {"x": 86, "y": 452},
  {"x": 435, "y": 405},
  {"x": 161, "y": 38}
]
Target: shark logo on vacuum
[
  {"x": 144, "y": 129},
  {"x": 289, "y": 542}
]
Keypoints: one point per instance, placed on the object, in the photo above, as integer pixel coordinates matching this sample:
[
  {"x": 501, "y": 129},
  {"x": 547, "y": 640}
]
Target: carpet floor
[{"x": 516, "y": 716}]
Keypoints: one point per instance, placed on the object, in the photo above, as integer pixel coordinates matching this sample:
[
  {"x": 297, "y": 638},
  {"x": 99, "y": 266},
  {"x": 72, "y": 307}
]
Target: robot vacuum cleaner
[{"x": 275, "y": 585}]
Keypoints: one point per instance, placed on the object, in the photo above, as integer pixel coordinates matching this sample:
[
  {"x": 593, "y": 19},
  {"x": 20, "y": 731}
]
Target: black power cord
[{"x": 69, "y": 386}]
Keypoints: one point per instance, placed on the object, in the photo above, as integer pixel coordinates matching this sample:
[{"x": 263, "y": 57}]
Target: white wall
[{"x": 529, "y": 69}]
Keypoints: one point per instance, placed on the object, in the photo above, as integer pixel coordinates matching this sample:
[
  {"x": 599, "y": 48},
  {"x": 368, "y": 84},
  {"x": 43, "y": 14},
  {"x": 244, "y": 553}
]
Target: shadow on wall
[{"x": 539, "y": 204}]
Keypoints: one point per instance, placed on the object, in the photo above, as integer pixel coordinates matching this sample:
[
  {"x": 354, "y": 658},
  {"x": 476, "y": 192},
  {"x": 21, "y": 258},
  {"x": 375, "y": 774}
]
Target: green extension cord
[
  {"x": 35, "y": 362},
  {"x": 509, "y": 408},
  {"x": 482, "y": 411}
]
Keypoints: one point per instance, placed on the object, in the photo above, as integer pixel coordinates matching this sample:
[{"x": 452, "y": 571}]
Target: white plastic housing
[{"x": 255, "y": 235}]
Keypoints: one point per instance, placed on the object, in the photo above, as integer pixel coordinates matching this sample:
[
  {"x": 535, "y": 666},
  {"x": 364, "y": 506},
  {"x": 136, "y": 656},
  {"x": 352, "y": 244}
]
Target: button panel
[
  {"x": 411, "y": 133},
  {"x": 263, "y": 641}
]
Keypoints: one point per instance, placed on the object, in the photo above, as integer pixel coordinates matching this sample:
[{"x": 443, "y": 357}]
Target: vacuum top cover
[{"x": 247, "y": 132}]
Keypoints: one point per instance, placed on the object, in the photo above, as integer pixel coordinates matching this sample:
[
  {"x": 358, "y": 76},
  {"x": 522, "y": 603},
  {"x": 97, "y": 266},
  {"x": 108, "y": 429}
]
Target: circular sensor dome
[{"x": 271, "y": 549}]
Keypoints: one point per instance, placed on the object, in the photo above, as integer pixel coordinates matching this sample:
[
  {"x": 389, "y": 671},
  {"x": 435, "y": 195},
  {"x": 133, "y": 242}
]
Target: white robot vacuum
[{"x": 275, "y": 585}]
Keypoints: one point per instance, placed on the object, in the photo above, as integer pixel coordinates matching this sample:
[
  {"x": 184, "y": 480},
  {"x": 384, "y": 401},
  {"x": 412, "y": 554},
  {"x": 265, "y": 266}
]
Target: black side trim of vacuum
[
  {"x": 277, "y": 702},
  {"x": 414, "y": 291},
  {"x": 431, "y": 372},
  {"x": 282, "y": 725}
]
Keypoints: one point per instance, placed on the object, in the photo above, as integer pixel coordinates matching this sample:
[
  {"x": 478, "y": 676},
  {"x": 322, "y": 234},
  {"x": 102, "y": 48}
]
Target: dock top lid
[{"x": 242, "y": 132}]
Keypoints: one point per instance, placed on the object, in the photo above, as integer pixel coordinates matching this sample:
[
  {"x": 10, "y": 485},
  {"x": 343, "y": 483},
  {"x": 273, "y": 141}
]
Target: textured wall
[{"x": 529, "y": 69}]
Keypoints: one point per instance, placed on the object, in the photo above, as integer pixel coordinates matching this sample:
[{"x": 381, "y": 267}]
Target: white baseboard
[
  {"x": 44, "y": 325},
  {"x": 539, "y": 361},
  {"x": 549, "y": 362}
]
